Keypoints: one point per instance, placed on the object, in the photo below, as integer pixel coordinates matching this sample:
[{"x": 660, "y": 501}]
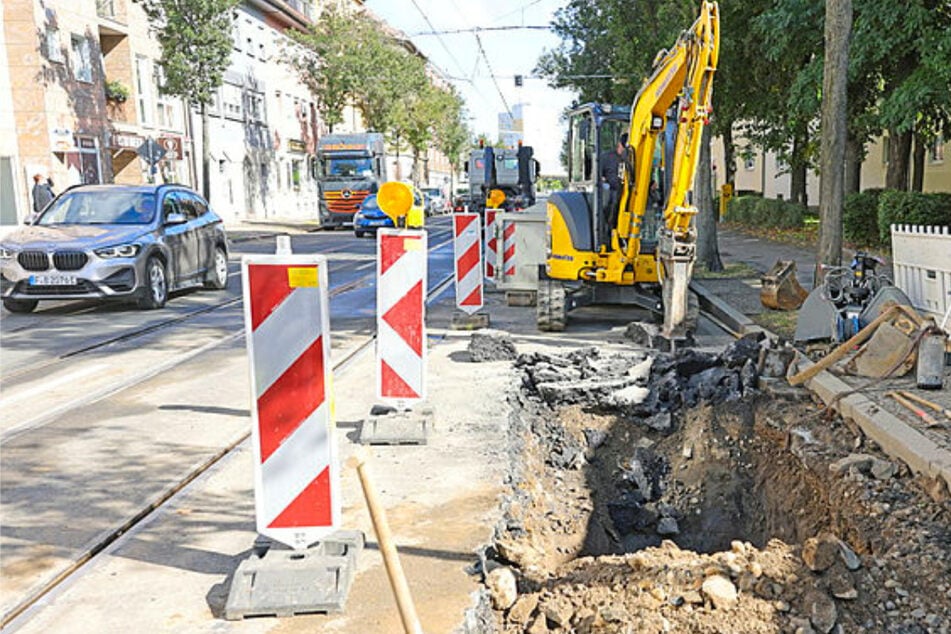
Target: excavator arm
[{"x": 678, "y": 90}]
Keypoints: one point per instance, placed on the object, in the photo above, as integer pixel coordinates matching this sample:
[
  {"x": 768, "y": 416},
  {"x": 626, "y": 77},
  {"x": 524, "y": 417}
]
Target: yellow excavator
[{"x": 634, "y": 243}]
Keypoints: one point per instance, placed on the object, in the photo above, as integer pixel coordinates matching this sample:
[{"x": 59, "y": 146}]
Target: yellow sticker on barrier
[
  {"x": 298, "y": 277},
  {"x": 412, "y": 244}
]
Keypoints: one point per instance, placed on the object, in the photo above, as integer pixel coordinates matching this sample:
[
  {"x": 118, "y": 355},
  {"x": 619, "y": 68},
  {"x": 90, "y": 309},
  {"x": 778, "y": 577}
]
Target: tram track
[{"x": 19, "y": 614}]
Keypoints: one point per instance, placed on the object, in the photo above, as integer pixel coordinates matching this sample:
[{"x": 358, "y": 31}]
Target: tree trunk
[
  {"x": 205, "y": 153},
  {"x": 708, "y": 252},
  {"x": 918, "y": 174},
  {"x": 853, "y": 166},
  {"x": 834, "y": 134},
  {"x": 798, "y": 169},
  {"x": 899, "y": 150},
  {"x": 729, "y": 155}
]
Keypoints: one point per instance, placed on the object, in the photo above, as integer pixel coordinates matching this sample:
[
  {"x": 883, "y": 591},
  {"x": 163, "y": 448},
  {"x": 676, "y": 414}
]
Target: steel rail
[{"x": 132, "y": 525}]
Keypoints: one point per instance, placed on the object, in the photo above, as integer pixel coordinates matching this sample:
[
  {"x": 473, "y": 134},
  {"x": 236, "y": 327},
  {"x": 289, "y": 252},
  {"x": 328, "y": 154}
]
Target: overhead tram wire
[
  {"x": 438, "y": 37},
  {"x": 495, "y": 81},
  {"x": 477, "y": 29},
  {"x": 518, "y": 10}
]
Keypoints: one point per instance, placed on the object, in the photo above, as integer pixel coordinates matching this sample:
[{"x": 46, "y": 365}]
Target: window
[
  {"x": 296, "y": 167},
  {"x": 166, "y": 106},
  {"x": 53, "y": 50},
  {"x": 236, "y": 35},
  {"x": 936, "y": 150},
  {"x": 143, "y": 88},
  {"x": 749, "y": 163},
  {"x": 82, "y": 65}
]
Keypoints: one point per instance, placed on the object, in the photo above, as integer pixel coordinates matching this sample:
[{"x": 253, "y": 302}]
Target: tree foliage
[
  {"x": 195, "y": 38},
  {"x": 346, "y": 58}
]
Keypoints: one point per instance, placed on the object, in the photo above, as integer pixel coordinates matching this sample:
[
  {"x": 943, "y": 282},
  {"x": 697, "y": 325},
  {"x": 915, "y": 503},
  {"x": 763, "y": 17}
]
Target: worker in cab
[{"x": 611, "y": 162}]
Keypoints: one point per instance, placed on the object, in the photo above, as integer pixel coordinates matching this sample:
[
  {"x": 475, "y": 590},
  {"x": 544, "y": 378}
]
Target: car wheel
[
  {"x": 217, "y": 276},
  {"x": 20, "y": 305},
  {"x": 359, "y": 234},
  {"x": 156, "y": 284}
]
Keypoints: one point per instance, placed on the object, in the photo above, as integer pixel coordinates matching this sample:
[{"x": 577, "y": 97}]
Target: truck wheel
[
  {"x": 551, "y": 309},
  {"x": 19, "y": 305}
]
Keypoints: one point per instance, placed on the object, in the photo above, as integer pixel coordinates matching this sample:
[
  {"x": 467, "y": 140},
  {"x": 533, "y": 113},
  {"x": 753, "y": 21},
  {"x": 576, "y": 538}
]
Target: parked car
[
  {"x": 114, "y": 242},
  {"x": 435, "y": 201},
  {"x": 370, "y": 217},
  {"x": 461, "y": 200}
]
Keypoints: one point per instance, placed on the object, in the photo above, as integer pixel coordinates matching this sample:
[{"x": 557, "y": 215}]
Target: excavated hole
[{"x": 720, "y": 476}]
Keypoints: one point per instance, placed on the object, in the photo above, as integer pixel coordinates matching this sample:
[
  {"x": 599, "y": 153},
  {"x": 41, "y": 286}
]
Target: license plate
[
  {"x": 377, "y": 223},
  {"x": 52, "y": 280}
]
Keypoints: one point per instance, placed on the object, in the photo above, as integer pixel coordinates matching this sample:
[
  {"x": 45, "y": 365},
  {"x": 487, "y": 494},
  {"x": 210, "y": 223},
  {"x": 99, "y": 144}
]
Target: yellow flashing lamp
[
  {"x": 395, "y": 199},
  {"x": 496, "y": 198}
]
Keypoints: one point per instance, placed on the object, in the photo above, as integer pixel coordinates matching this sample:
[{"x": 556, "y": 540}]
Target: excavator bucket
[{"x": 780, "y": 288}]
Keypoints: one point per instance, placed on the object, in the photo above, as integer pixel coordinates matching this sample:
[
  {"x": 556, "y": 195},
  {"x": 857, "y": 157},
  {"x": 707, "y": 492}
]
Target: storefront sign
[
  {"x": 172, "y": 146},
  {"x": 294, "y": 145},
  {"x": 126, "y": 140}
]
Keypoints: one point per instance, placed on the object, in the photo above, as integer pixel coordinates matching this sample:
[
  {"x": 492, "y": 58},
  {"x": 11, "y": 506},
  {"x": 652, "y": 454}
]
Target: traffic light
[{"x": 518, "y": 81}]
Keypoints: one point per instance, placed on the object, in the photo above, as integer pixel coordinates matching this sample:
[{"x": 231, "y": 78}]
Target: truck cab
[{"x": 351, "y": 167}]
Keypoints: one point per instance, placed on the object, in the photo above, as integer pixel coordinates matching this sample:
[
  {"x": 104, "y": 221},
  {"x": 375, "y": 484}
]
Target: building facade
[
  {"x": 80, "y": 94},
  {"x": 763, "y": 172}
]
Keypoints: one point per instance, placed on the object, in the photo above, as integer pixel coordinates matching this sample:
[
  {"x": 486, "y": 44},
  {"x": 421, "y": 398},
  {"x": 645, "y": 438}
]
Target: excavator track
[{"x": 551, "y": 307}]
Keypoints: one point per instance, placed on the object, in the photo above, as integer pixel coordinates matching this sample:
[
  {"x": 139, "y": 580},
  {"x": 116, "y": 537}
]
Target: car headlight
[
  {"x": 357, "y": 216},
  {"x": 119, "y": 251},
  {"x": 7, "y": 253}
]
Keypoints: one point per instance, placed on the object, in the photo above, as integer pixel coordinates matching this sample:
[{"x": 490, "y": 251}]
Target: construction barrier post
[
  {"x": 491, "y": 245},
  {"x": 401, "y": 315},
  {"x": 296, "y": 480},
  {"x": 468, "y": 269}
]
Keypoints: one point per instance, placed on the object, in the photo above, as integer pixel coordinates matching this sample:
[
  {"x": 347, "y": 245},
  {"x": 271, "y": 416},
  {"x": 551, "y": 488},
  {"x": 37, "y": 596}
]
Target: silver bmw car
[{"x": 114, "y": 242}]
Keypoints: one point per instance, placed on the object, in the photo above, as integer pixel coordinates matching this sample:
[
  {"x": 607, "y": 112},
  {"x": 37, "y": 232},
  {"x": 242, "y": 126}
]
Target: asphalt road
[{"x": 105, "y": 407}]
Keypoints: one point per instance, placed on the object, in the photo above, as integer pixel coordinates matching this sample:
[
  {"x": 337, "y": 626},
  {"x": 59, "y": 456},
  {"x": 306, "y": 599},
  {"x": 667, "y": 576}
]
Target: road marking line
[{"x": 49, "y": 384}]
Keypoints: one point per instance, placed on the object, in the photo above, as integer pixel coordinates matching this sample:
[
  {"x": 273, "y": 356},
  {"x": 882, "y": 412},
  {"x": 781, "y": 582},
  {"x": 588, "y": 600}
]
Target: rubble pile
[{"x": 664, "y": 492}]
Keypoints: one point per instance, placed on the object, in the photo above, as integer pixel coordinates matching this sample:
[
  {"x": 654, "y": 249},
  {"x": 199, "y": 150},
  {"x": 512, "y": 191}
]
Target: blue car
[{"x": 369, "y": 217}]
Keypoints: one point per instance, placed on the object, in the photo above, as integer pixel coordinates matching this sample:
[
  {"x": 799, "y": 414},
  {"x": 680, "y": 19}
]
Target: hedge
[
  {"x": 860, "y": 218},
  {"x": 911, "y": 208},
  {"x": 765, "y": 212}
]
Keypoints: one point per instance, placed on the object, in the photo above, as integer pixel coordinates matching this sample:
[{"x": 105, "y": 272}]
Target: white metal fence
[{"x": 922, "y": 265}]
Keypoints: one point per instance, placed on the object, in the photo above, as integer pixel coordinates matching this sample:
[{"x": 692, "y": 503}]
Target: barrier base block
[
  {"x": 521, "y": 298},
  {"x": 389, "y": 426},
  {"x": 464, "y": 321},
  {"x": 276, "y": 581}
]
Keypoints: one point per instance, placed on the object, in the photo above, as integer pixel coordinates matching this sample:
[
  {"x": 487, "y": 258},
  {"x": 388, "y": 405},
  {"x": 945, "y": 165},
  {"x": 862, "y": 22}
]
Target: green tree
[{"x": 195, "y": 39}]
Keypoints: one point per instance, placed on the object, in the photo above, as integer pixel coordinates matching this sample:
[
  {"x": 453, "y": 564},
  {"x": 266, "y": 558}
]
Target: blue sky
[{"x": 507, "y": 53}]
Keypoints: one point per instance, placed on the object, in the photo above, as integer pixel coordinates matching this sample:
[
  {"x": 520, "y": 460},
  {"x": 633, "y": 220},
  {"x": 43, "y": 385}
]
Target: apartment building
[
  {"x": 80, "y": 94},
  {"x": 765, "y": 173}
]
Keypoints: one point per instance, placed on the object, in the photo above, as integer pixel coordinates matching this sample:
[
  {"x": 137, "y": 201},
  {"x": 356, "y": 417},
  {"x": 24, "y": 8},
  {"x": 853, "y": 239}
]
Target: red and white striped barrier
[
  {"x": 467, "y": 251},
  {"x": 491, "y": 244},
  {"x": 400, "y": 315},
  {"x": 287, "y": 326},
  {"x": 508, "y": 249}
]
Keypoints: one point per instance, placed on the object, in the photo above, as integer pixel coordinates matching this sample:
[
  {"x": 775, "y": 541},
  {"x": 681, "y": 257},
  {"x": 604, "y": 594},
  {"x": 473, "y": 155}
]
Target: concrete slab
[
  {"x": 464, "y": 321},
  {"x": 283, "y": 582},
  {"x": 410, "y": 427}
]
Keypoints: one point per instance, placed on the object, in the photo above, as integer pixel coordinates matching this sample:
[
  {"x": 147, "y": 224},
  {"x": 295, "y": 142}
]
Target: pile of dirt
[{"x": 735, "y": 513}]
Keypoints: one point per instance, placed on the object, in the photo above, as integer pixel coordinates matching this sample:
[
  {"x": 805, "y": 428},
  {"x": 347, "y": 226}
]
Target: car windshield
[
  {"x": 348, "y": 167},
  {"x": 370, "y": 204},
  {"x": 121, "y": 207}
]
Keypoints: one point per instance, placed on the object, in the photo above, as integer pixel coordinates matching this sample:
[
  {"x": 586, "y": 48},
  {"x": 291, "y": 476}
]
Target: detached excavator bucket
[
  {"x": 780, "y": 288},
  {"x": 817, "y": 317}
]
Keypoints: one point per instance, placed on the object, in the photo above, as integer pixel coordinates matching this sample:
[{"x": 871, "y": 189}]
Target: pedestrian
[{"x": 42, "y": 193}]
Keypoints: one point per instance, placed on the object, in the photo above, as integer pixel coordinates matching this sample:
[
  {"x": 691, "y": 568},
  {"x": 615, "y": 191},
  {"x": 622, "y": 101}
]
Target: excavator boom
[{"x": 677, "y": 96}]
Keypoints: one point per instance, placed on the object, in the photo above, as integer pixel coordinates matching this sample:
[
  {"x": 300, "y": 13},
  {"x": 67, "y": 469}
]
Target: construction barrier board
[
  {"x": 401, "y": 315},
  {"x": 287, "y": 327},
  {"x": 467, "y": 255},
  {"x": 491, "y": 242}
]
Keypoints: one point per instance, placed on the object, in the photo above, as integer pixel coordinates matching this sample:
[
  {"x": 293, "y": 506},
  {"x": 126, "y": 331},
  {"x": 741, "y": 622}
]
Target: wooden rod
[{"x": 391, "y": 559}]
